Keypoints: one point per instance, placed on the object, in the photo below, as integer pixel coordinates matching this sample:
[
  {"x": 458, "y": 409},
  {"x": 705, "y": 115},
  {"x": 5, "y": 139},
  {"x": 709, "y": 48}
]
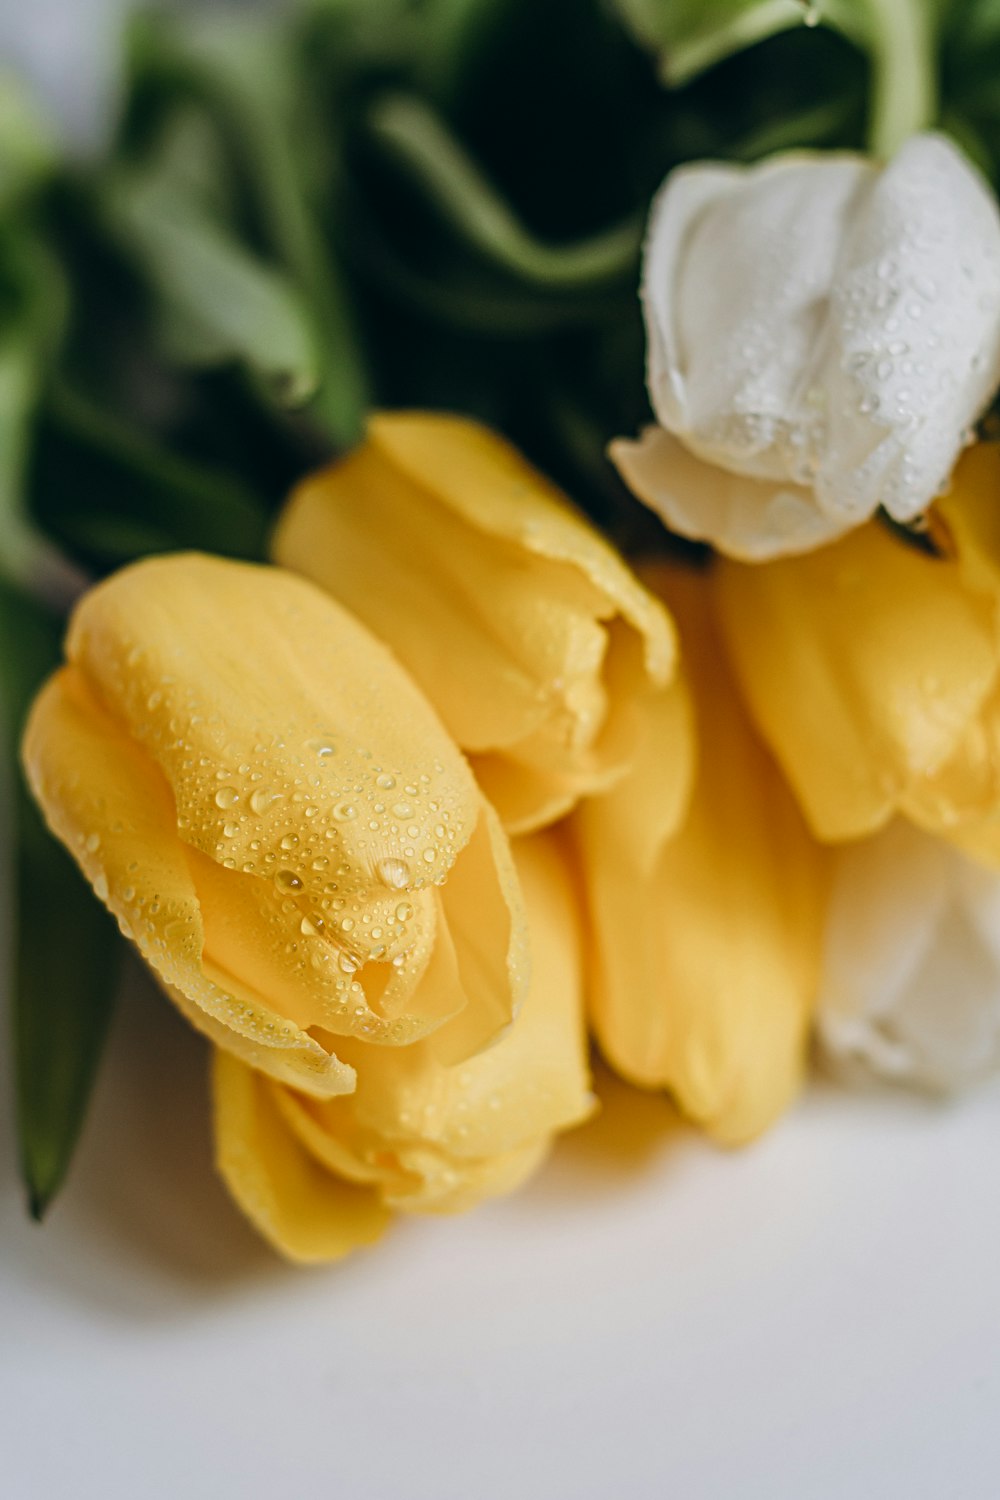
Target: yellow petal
[
  {"x": 112, "y": 808},
  {"x": 864, "y": 665},
  {"x": 436, "y": 1137},
  {"x": 509, "y": 609},
  {"x": 284, "y": 728},
  {"x": 306, "y": 1212},
  {"x": 705, "y": 967}
]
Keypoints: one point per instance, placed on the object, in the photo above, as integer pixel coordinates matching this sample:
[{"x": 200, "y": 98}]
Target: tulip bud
[
  {"x": 706, "y": 936},
  {"x": 274, "y": 813},
  {"x": 521, "y": 623},
  {"x": 911, "y": 971},
  {"x": 823, "y": 329},
  {"x": 318, "y": 1178},
  {"x": 873, "y": 670}
]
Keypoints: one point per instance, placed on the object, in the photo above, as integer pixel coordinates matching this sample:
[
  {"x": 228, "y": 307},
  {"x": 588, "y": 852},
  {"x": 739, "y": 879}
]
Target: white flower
[
  {"x": 824, "y": 329},
  {"x": 911, "y": 973}
]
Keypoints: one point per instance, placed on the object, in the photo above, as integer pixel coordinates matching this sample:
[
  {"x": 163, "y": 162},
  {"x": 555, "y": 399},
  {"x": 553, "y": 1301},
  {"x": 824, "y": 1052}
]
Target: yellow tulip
[
  {"x": 706, "y": 938},
  {"x": 320, "y": 1178},
  {"x": 873, "y": 670},
  {"x": 521, "y": 623},
  {"x": 276, "y": 816}
]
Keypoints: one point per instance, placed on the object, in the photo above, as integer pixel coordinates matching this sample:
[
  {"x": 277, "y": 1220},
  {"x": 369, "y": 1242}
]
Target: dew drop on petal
[
  {"x": 394, "y": 872},
  {"x": 263, "y": 798}
]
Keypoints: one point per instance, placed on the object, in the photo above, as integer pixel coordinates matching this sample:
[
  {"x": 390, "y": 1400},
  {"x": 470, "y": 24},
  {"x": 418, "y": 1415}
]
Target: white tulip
[
  {"x": 825, "y": 330},
  {"x": 910, "y": 988}
]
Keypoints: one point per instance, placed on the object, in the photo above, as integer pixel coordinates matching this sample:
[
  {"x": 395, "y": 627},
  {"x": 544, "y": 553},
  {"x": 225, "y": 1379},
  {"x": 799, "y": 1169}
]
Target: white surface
[{"x": 813, "y": 1319}]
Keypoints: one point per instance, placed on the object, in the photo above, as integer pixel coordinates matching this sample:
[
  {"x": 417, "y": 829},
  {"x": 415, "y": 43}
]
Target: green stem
[{"x": 901, "y": 40}]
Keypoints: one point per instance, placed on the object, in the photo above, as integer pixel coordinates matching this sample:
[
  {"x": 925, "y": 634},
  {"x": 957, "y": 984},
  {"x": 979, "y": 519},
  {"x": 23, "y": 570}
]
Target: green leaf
[
  {"x": 66, "y": 947},
  {"x": 28, "y": 152},
  {"x": 250, "y": 74},
  {"x": 110, "y": 493},
  {"x": 33, "y": 302},
  {"x": 899, "y": 36},
  {"x": 414, "y": 135},
  {"x": 218, "y": 302},
  {"x": 692, "y": 35}
]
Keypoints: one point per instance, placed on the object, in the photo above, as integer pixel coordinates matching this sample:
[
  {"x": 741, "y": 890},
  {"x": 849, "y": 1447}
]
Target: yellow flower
[
  {"x": 706, "y": 936},
  {"x": 521, "y": 623},
  {"x": 320, "y": 1178},
  {"x": 873, "y": 670},
  {"x": 275, "y": 815}
]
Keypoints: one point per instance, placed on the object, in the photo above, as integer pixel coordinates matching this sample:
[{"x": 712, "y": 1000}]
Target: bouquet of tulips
[{"x": 500, "y": 528}]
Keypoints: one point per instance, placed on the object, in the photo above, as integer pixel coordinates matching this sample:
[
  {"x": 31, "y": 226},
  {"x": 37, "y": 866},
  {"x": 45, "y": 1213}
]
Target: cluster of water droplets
[
  {"x": 915, "y": 319},
  {"x": 351, "y": 846}
]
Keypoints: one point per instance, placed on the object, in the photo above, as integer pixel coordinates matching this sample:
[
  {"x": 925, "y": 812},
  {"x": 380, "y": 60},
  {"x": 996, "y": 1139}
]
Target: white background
[{"x": 817, "y": 1318}]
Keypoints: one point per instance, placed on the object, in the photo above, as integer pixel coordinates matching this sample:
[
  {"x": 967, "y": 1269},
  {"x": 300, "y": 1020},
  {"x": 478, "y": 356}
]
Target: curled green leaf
[
  {"x": 419, "y": 140},
  {"x": 689, "y": 36}
]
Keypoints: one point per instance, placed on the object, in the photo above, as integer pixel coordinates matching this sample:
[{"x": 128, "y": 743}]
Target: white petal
[
  {"x": 914, "y": 333},
  {"x": 911, "y": 973},
  {"x": 826, "y": 324},
  {"x": 750, "y": 519},
  {"x": 739, "y": 267}
]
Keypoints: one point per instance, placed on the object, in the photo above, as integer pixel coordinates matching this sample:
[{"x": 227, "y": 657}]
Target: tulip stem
[{"x": 905, "y": 93}]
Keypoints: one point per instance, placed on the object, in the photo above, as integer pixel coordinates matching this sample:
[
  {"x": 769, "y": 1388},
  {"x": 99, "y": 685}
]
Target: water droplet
[
  {"x": 430, "y": 855},
  {"x": 386, "y": 782},
  {"x": 263, "y": 798},
  {"x": 101, "y": 887},
  {"x": 394, "y": 872},
  {"x": 347, "y": 923},
  {"x": 402, "y": 810},
  {"x": 348, "y": 963},
  {"x": 287, "y": 880},
  {"x": 230, "y": 830},
  {"x": 93, "y": 843},
  {"x": 226, "y": 796},
  {"x": 344, "y": 812},
  {"x": 404, "y": 911},
  {"x": 289, "y": 841},
  {"x": 322, "y": 746}
]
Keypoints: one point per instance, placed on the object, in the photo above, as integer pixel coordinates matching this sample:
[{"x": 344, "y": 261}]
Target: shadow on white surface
[{"x": 143, "y": 1222}]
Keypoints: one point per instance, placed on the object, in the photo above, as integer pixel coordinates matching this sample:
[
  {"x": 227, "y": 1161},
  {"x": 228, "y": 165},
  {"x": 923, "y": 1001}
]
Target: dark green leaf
[
  {"x": 110, "y": 493},
  {"x": 65, "y": 950}
]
